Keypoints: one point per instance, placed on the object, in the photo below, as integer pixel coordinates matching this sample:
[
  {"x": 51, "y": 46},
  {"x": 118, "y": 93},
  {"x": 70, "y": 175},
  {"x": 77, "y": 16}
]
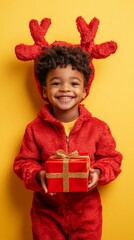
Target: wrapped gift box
[{"x": 67, "y": 173}]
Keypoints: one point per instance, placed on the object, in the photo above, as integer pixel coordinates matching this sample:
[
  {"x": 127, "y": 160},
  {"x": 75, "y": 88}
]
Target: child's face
[{"x": 64, "y": 88}]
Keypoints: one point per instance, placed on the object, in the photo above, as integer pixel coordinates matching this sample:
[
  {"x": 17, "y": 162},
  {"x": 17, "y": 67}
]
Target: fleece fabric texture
[{"x": 77, "y": 215}]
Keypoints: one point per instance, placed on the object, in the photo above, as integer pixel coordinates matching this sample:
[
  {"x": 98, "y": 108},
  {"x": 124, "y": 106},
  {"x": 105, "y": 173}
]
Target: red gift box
[{"x": 67, "y": 173}]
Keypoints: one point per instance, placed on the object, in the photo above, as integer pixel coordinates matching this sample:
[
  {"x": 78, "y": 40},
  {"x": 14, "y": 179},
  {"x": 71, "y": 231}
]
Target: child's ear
[
  {"x": 44, "y": 91},
  {"x": 84, "y": 93}
]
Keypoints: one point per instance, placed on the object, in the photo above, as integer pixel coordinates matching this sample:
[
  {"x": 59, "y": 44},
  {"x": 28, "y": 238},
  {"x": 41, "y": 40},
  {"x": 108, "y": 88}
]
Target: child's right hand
[{"x": 41, "y": 176}]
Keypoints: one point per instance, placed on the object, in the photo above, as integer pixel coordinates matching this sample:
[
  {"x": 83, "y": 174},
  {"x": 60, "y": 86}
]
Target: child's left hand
[{"x": 93, "y": 177}]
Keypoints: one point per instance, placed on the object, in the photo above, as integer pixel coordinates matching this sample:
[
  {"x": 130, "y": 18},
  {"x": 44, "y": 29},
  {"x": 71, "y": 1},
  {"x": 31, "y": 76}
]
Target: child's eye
[
  {"x": 75, "y": 84},
  {"x": 55, "y": 83}
]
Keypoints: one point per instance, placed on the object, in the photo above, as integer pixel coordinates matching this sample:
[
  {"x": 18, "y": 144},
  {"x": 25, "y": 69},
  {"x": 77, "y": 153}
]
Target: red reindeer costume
[{"x": 73, "y": 216}]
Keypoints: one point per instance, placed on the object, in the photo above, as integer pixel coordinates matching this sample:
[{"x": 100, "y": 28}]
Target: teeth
[{"x": 65, "y": 99}]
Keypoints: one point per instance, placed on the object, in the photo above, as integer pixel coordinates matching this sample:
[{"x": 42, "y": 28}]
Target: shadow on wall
[{"x": 21, "y": 202}]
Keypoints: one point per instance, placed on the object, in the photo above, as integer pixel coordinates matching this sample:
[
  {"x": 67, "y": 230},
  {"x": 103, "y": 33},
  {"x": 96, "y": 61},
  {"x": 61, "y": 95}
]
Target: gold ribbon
[{"x": 66, "y": 174}]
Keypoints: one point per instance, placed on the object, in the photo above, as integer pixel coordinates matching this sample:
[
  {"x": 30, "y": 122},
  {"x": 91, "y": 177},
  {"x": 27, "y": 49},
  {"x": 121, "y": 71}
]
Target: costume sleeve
[
  {"x": 27, "y": 162},
  {"x": 107, "y": 159}
]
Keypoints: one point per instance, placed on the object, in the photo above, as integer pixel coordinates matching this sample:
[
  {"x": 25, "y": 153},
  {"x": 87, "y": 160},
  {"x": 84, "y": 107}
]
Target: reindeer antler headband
[{"x": 87, "y": 32}]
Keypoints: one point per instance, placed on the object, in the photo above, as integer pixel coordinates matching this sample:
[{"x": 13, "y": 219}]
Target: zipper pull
[{"x": 67, "y": 144}]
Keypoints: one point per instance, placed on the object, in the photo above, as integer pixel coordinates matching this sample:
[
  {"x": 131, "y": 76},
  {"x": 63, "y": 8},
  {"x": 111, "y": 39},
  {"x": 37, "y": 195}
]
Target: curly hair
[{"x": 61, "y": 56}]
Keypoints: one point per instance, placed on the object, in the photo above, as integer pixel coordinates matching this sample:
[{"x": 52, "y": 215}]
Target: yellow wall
[{"x": 111, "y": 99}]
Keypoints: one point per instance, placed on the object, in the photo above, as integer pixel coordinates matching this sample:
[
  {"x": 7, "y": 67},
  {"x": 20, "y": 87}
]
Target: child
[{"x": 63, "y": 74}]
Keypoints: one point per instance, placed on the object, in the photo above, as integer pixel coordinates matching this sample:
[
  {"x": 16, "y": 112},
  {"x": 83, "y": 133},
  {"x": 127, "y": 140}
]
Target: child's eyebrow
[
  {"x": 56, "y": 77},
  {"x": 60, "y": 78},
  {"x": 77, "y": 78}
]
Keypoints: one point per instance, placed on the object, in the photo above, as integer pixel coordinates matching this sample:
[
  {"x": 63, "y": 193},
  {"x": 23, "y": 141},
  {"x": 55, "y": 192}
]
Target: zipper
[{"x": 67, "y": 144}]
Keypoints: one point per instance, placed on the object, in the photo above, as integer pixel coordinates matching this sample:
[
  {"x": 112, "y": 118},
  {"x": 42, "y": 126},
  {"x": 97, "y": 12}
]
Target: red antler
[
  {"x": 88, "y": 33},
  {"x": 26, "y": 52}
]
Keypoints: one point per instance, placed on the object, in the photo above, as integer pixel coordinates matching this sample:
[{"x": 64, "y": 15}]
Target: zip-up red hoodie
[{"x": 42, "y": 138}]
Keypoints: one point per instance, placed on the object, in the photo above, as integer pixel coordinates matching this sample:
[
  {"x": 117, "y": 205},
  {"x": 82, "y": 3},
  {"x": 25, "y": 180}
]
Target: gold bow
[{"x": 61, "y": 154}]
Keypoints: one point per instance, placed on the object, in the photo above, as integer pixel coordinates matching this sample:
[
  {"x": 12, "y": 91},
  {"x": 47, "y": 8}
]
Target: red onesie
[{"x": 73, "y": 216}]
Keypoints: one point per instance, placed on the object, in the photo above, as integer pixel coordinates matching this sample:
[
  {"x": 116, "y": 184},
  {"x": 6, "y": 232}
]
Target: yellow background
[{"x": 111, "y": 99}]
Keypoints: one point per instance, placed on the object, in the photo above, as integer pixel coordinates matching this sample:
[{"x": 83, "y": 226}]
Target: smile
[{"x": 65, "y": 98}]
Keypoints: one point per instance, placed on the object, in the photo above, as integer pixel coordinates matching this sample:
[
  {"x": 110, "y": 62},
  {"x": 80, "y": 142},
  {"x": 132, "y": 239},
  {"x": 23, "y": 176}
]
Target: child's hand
[
  {"x": 41, "y": 176},
  {"x": 93, "y": 177}
]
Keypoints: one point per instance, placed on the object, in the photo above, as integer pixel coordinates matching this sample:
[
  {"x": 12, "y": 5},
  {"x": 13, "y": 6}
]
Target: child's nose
[{"x": 65, "y": 88}]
